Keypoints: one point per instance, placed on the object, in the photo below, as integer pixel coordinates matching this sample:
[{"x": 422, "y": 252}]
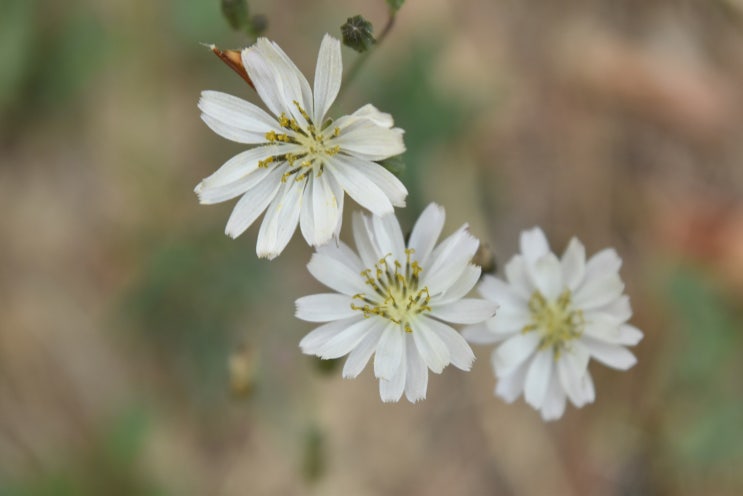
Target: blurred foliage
[
  {"x": 191, "y": 299},
  {"x": 47, "y": 59},
  {"x": 237, "y": 13},
  {"x": 314, "y": 458},
  {"x": 109, "y": 465},
  {"x": 707, "y": 412},
  {"x": 395, "y": 5},
  {"x": 427, "y": 116}
]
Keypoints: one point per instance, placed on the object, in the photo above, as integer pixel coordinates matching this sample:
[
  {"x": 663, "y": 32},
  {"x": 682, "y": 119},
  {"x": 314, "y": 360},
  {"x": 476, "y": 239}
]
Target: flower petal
[
  {"x": 253, "y": 203},
  {"x": 280, "y": 221},
  {"x": 574, "y": 264},
  {"x": 449, "y": 260},
  {"x": 461, "y": 286},
  {"x": 518, "y": 278},
  {"x": 604, "y": 262},
  {"x": 370, "y": 112},
  {"x": 426, "y": 232},
  {"x": 534, "y": 245},
  {"x": 359, "y": 187},
  {"x": 460, "y": 353},
  {"x": 416, "y": 382},
  {"x": 365, "y": 139},
  {"x": 614, "y": 356},
  {"x": 465, "y": 311},
  {"x": 359, "y": 356},
  {"x": 390, "y": 351},
  {"x": 571, "y": 369},
  {"x": 234, "y": 118},
  {"x": 325, "y": 210},
  {"x": 553, "y": 406},
  {"x": 324, "y": 307},
  {"x": 629, "y": 335},
  {"x": 595, "y": 292},
  {"x": 509, "y": 320},
  {"x": 335, "y": 274},
  {"x": 432, "y": 348},
  {"x": 547, "y": 276},
  {"x": 392, "y": 389},
  {"x": 494, "y": 289},
  {"x": 307, "y": 216},
  {"x": 538, "y": 378},
  {"x": 389, "y": 236},
  {"x": 328, "y": 75},
  {"x": 341, "y": 252},
  {"x": 510, "y": 386},
  {"x": 514, "y": 351},
  {"x": 392, "y": 187},
  {"x": 345, "y": 341},
  {"x": 312, "y": 342},
  {"x": 480, "y": 334},
  {"x": 363, "y": 236}
]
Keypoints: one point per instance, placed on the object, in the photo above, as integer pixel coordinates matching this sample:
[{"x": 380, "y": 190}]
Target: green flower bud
[{"x": 357, "y": 33}]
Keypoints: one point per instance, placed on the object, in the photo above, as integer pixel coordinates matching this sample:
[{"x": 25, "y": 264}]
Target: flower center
[
  {"x": 395, "y": 294},
  {"x": 313, "y": 143},
  {"x": 556, "y": 321}
]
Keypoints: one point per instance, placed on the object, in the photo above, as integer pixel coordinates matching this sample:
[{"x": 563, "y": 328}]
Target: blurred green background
[{"x": 142, "y": 352}]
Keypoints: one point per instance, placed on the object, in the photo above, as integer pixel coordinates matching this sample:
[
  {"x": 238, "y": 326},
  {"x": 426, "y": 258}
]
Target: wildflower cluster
[{"x": 393, "y": 298}]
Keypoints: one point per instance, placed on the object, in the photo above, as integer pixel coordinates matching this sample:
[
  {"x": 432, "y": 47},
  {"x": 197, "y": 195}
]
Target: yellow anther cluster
[
  {"x": 556, "y": 321},
  {"x": 395, "y": 294}
]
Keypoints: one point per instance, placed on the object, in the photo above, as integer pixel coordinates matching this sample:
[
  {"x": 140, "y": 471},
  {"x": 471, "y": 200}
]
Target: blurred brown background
[{"x": 144, "y": 353}]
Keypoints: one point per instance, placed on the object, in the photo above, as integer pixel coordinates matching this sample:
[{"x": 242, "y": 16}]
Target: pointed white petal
[
  {"x": 359, "y": 187},
  {"x": 574, "y": 264},
  {"x": 571, "y": 369},
  {"x": 614, "y": 356},
  {"x": 538, "y": 378},
  {"x": 465, "y": 311},
  {"x": 510, "y": 387},
  {"x": 280, "y": 221},
  {"x": 514, "y": 351},
  {"x": 325, "y": 210},
  {"x": 388, "y": 236},
  {"x": 432, "y": 348},
  {"x": 517, "y": 277},
  {"x": 209, "y": 194},
  {"x": 509, "y": 320},
  {"x": 390, "y": 351},
  {"x": 341, "y": 252},
  {"x": 371, "y": 112},
  {"x": 461, "y": 286},
  {"x": 416, "y": 382},
  {"x": 547, "y": 274},
  {"x": 596, "y": 292},
  {"x": 604, "y": 262},
  {"x": 335, "y": 274},
  {"x": 494, "y": 289},
  {"x": 253, "y": 203},
  {"x": 324, "y": 307},
  {"x": 363, "y": 138},
  {"x": 460, "y": 353},
  {"x": 364, "y": 238},
  {"x": 392, "y": 389},
  {"x": 386, "y": 181},
  {"x": 554, "y": 401},
  {"x": 277, "y": 80},
  {"x": 534, "y": 245},
  {"x": 359, "y": 356},
  {"x": 449, "y": 260},
  {"x": 346, "y": 340},
  {"x": 426, "y": 232},
  {"x": 312, "y": 342},
  {"x": 328, "y": 74},
  {"x": 618, "y": 309},
  {"x": 629, "y": 335},
  {"x": 480, "y": 334},
  {"x": 234, "y": 118}
]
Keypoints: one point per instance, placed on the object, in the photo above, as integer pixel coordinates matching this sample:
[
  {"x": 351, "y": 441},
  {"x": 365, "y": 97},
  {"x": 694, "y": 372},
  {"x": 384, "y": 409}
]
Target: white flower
[
  {"x": 304, "y": 162},
  {"x": 394, "y": 300},
  {"x": 554, "y": 316}
]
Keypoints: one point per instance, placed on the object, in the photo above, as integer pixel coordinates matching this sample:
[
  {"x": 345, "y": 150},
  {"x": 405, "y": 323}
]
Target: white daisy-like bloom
[
  {"x": 302, "y": 163},
  {"x": 554, "y": 316},
  {"x": 395, "y": 302}
]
